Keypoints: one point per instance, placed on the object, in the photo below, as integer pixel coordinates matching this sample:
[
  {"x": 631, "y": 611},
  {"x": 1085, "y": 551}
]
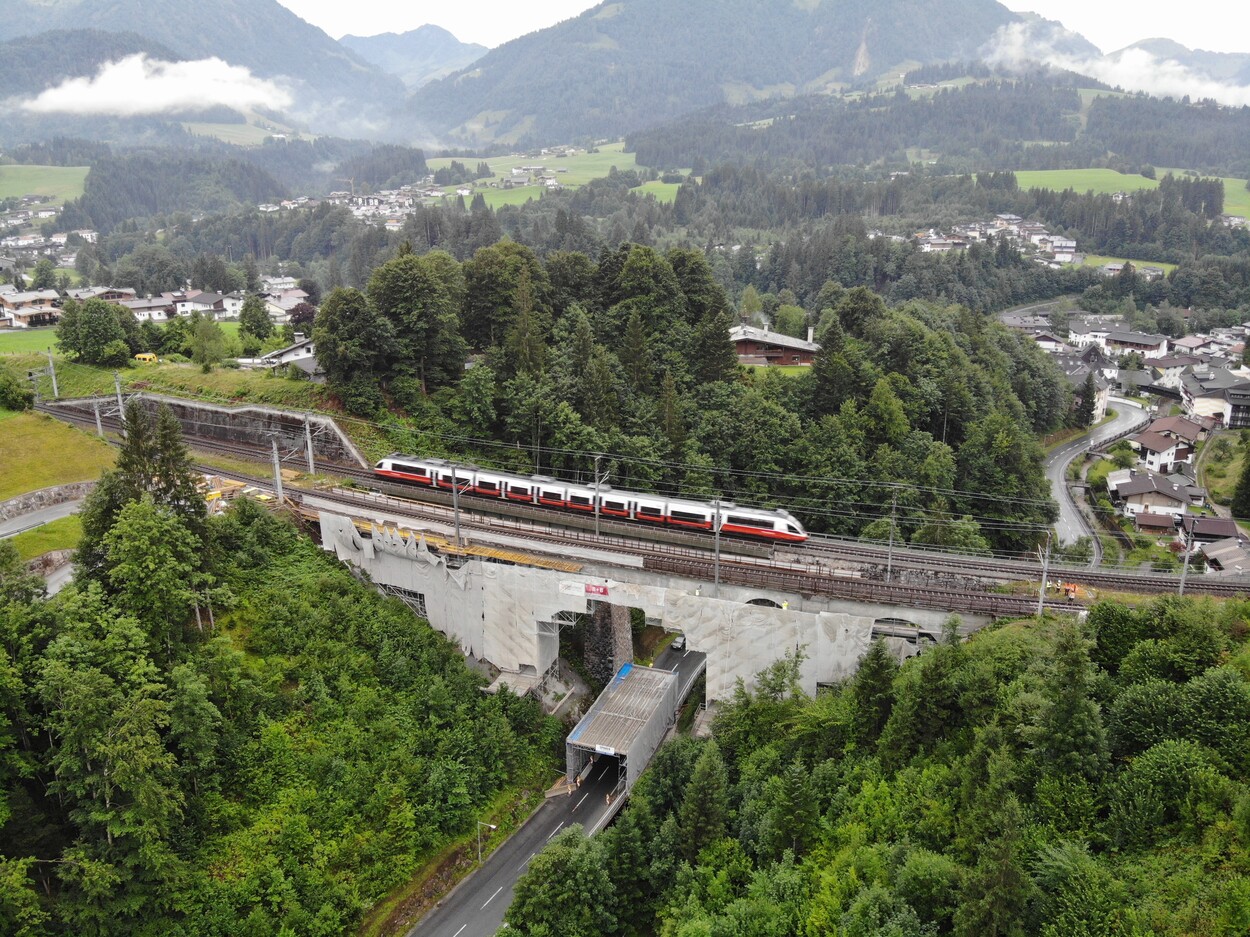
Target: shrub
[{"x": 14, "y": 393}]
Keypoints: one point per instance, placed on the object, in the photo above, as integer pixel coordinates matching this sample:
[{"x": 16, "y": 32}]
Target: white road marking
[
  {"x": 488, "y": 901},
  {"x": 579, "y": 803},
  {"x": 556, "y": 830},
  {"x": 603, "y": 772},
  {"x": 521, "y": 866},
  {"x": 457, "y": 933}
]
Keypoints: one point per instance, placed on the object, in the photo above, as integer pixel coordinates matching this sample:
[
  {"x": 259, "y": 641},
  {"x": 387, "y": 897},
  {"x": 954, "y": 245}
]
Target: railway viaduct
[{"x": 511, "y": 615}]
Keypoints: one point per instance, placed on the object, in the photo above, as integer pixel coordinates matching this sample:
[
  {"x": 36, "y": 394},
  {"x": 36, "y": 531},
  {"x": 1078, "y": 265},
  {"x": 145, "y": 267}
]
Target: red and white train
[{"x": 776, "y": 525}]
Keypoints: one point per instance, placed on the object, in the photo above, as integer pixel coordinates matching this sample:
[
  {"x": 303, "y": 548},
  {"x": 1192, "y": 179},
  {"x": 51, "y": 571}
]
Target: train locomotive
[{"x": 644, "y": 509}]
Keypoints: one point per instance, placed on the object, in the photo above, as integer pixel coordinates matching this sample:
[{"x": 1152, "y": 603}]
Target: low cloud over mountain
[
  {"x": 1133, "y": 69},
  {"x": 137, "y": 85}
]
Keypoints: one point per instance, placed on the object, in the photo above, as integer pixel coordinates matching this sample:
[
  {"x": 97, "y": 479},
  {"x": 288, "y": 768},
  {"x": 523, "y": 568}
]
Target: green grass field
[
  {"x": 40, "y": 452},
  {"x": 581, "y": 169},
  {"x": 1099, "y": 181},
  {"x": 496, "y": 198},
  {"x": 60, "y": 182},
  {"x": 61, "y": 534},
  {"x": 236, "y": 134},
  {"x": 1098, "y": 260},
  {"x": 664, "y": 192},
  {"x": 19, "y": 341},
  {"x": 1108, "y": 182}
]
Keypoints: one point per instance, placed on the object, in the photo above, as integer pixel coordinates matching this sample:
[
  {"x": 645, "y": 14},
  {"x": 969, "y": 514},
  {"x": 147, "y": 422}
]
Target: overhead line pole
[
  {"x": 455, "y": 501},
  {"x": 99, "y": 428},
  {"x": 889, "y": 559},
  {"x": 56, "y": 394},
  {"x": 277, "y": 470},
  {"x": 1189, "y": 546},
  {"x": 716, "y": 542},
  {"x": 597, "y": 457},
  {"x": 121, "y": 409},
  {"x": 308, "y": 446},
  {"x": 1041, "y": 592}
]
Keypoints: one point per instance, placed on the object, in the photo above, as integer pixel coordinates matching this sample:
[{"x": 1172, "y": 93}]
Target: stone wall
[{"x": 43, "y": 498}]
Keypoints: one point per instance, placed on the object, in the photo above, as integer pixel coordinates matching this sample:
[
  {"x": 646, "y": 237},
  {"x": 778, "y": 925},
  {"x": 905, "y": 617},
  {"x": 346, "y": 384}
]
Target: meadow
[
  {"x": 1098, "y": 181},
  {"x": 1098, "y": 260},
  {"x": 61, "y": 183},
  {"x": 24, "y": 341},
  {"x": 40, "y": 452},
  {"x": 572, "y": 171},
  {"x": 1108, "y": 182}
]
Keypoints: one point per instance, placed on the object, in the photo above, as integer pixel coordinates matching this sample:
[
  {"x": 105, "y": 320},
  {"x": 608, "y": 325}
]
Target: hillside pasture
[
  {"x": 25, "y": 341},
  {"x": 1098, "y": 181},
  {"x": 1108, "y": 182},
  {"x": 60, "y": 183},
  {"x": 40, "y": 452},
  {"x": 1098, "y": 260}
]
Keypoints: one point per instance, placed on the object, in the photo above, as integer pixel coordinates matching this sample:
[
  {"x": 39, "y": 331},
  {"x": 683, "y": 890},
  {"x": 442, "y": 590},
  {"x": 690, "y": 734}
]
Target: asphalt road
[
  {"x": 476, "y": 907},
  {"x": 1070, "y": 526},
  {"x": 38, "y": 518}
]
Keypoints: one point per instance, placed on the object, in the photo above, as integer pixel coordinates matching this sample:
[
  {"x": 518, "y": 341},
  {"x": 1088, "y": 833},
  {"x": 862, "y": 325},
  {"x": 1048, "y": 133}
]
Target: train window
[
  {"x": 614, "y": 506},
  {"x": 689, "y": 517},
  {"x": 489, "y": 486},
  {"x": 445, "y": 478},
  {"x": 519, "y": 490},
  {"x": 649, "y": 511},
  {"x": 410, "y": 469},
  {"x": 793, "y": 528},
  {"x": 579, "y": 499},
  {"x": 550, "y": 495},
  {"x": 740, "y": 521}
]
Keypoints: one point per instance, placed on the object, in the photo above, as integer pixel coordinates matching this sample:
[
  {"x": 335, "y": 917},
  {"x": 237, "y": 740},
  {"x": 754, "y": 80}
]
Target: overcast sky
[{"x": 1109, "y": 24}]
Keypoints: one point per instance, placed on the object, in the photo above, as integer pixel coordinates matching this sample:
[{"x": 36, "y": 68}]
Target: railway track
[
  {"x": 824, "y": 561},
  {"x": 1015, "y": 570}
]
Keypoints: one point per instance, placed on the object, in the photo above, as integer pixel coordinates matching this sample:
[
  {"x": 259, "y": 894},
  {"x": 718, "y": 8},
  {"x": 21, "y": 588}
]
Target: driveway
[{"x": 1071, "y": 525}]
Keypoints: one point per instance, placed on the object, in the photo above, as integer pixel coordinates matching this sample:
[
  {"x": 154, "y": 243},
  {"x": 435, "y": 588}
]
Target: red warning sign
[{"x": 592, "y": 589}]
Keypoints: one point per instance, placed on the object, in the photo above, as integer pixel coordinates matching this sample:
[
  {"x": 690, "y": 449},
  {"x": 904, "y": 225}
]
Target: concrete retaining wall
[
  {"x": 509, "y": 614},
  {"x": 250, "y": 425}
]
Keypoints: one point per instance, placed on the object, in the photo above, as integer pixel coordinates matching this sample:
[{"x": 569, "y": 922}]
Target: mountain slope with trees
[
  {"x": 623, "y": 65},
  {"x": 261, "y": 34}
]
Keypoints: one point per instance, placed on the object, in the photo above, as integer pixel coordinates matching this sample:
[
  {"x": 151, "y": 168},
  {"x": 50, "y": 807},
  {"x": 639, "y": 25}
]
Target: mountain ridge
[
  {"x": 333, "y": 87},
  {"x": 628, "y": 63},
  {"x": 417, "y": 56}
]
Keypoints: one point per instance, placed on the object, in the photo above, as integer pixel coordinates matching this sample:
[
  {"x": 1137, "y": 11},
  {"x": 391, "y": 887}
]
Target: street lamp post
[{"x": 489, "y": 826}]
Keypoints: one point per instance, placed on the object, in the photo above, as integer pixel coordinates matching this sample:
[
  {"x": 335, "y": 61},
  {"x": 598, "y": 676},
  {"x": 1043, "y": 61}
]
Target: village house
[
  {"x": 109, "y": 294},
  {"x": 1121, "y": 342},
  {"x": 1205, "y": 529},
  {"x": 1155, "y": 524},
  {"x": 302, "y": 353},
  {"x": 761, "y": 347},
  {"x": 1227, "y": 556},
  {"x": 1160, "y": 453},
  {"x": 1188, "y": 431},
  {"x": 153, "y": 309},
  {"x": 29, "y": 309},
  {"x": 1144, "y": 493}
]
